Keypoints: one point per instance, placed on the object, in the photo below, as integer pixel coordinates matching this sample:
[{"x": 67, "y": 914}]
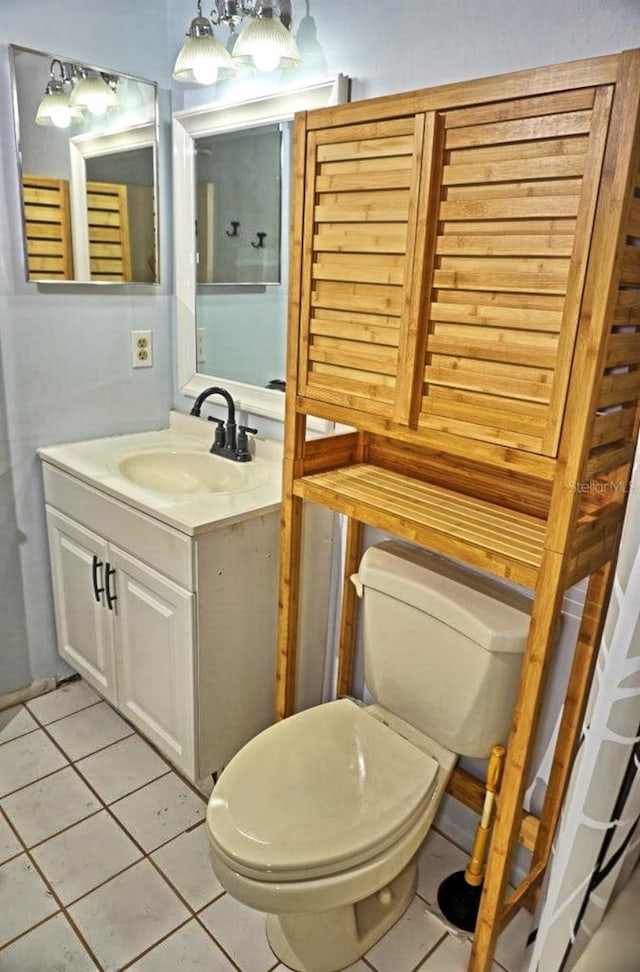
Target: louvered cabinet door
[
  {"x": 360, "y": 219},
  {"x": 515, "y": 208},
  {"x": 108, "y": 229}
]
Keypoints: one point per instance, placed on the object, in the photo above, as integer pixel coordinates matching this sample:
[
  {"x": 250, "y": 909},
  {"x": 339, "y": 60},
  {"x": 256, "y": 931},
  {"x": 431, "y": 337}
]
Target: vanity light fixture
[
  {"x": 96, "y": 92},
  {"x": 55, "y": 108},
  {"x": 264, "y": 43},
  {"x": 202, "y": 56}
]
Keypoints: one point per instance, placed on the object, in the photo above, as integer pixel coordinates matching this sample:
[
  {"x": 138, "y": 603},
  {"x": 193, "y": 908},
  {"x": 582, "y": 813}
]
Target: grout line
[
  {"x": 213, "y": 937},
  {"x": 52, "y": 722},
  {"x": 37, "y": 780},
  {"x": 150, "y": 948},
  {"x": 21, "y": 735}
]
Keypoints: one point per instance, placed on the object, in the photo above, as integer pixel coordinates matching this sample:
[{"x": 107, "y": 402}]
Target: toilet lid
[{"x": 316, "y": 793}]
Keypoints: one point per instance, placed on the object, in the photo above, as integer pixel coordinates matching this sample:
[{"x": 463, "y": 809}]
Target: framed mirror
[
  {"x": 86, "y": 142},
  {"x": 232, "y": 164}
]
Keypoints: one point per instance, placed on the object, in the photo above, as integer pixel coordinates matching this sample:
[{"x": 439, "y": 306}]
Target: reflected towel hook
[
  {"x": 260, "y": 238},
  {"x": 235, "y": 227}
]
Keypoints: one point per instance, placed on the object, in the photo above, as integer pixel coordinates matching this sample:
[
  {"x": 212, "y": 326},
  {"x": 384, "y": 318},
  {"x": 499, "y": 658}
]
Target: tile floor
[{"x": 104, "y": 864}]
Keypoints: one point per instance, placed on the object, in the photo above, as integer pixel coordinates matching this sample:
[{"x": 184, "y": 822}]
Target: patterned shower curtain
[{"x": 598, "y": 839}]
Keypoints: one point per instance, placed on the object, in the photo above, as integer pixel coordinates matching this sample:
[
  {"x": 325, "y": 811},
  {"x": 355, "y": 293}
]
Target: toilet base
[{"x": 328, "y": 941}]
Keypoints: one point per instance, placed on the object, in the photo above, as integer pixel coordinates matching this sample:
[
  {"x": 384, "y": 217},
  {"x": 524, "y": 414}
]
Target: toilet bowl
[{"x": 318, "y": 820}]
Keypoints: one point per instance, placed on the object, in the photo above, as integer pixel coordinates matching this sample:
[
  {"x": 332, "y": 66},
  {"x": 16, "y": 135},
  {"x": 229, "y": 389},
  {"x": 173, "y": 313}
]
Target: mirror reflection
[
  {"x": 87, "y": 142},
  {"x": 238, "y": 183},
  {"x": 240, "y": 332}
]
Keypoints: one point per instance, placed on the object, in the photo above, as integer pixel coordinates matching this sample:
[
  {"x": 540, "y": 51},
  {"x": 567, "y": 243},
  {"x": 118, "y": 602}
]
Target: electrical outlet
[{"x": 142, "y": 349}]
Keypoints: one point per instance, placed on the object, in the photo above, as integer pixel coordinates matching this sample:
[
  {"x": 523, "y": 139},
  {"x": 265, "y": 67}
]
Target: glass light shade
[
  {"x": 267, "y": 44},
  {"x": 200, "y": 59},
  {"x": 55, "y": 109},
  {"x": 94, "y": 94}
]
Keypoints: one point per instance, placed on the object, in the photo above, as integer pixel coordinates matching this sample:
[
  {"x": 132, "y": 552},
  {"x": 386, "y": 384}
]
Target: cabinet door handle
[
  {"x": 111, "y": 598},
  {"x": 97, "y": 590}
]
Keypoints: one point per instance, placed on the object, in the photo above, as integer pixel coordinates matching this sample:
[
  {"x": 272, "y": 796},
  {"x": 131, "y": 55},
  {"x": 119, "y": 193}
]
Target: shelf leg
[
  {"x": 290, "y": 569},
  {"x": 544, "y": 619},
  {"x": 576, "y": 698}
]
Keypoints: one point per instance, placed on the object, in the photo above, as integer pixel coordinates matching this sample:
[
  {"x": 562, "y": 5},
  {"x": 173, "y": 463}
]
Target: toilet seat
[{"x": 317, "y": 794}]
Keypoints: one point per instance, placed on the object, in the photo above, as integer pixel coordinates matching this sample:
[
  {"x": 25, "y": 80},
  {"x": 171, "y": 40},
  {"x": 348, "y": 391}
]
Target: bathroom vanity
[{"x": 164, "y": 563}]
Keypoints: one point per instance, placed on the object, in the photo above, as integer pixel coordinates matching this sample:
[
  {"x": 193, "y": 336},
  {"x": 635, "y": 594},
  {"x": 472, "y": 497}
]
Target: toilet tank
[{"x": 443, "y": 646}]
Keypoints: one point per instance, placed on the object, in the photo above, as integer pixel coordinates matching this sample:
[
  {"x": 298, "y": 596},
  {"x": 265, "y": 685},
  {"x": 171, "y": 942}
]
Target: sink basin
[{"x": 183, "y": 471}]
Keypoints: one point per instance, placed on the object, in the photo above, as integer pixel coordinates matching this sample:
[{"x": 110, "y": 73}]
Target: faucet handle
[{"x": 242, "y": 451}]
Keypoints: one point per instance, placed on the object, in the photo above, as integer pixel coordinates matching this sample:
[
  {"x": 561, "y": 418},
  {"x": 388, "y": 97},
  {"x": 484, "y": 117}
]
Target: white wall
[{"x": 65, "y": 369}]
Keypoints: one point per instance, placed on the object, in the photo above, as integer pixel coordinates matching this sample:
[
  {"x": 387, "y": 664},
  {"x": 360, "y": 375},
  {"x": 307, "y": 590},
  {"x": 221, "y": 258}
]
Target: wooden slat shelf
[{"x": 504, "y": 542}]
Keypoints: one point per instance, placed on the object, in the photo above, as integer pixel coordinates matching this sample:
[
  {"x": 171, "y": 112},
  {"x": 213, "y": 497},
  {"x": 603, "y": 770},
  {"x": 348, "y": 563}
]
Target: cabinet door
[
  {"x": 154, "y": 635},
  {"x": 84, "y": 624},
  {"x": 362, "y": 185},
  {"x": 514, "y": 213}
]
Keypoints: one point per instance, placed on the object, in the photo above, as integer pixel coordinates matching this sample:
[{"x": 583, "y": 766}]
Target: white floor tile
[
  {"x": 84, "y": 856},
  {"x": 42, "y": 809},
  {"x": 159, "y": 811},
  {"x": 51, "y": 947},
  {"x": 358, "y": 966},
  {"x": 127, "y": 915},
  {"x": 437, "y": 859},
  {"x": 84, "y": 732},
  {"x": 27, "y": 759},
  {"x": 69, "y": 697},
  {"x": 189, "y": 949},
  {"x": 185, "y": 861},
  {"x": 122, "y": 767},
  {"x": 14, "y": 722},
  {"x": 512, "y": 943},
  {"x": 452, "y": 955},
  {"x": 408, "y": 942},
  {"x": 24, "y": 898},
  {"x": 241, "y": 932},
  {"x": 9, "y": 843}
]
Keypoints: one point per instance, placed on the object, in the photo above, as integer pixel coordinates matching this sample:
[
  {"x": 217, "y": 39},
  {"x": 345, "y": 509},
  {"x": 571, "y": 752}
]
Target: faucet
[{"x": 226, "y": 442}]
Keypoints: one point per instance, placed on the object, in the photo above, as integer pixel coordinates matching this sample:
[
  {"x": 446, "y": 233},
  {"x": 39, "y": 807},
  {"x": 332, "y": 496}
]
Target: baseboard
[{"x": 39, "y": 687}]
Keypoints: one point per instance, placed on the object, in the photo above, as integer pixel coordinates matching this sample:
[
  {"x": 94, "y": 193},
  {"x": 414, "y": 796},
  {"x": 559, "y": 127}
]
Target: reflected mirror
[
  {"x": 232, "y": 165},
  {"x": 87, "y": 157}
]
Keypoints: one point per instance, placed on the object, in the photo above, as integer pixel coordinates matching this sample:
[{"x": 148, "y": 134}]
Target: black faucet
[{"x": 225, "y": 443}]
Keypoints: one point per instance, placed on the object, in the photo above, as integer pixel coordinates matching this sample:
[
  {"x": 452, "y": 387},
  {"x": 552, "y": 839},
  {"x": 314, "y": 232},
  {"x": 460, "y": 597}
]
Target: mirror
[
  {"x": 88, "y": 171},
  {"x": 232, "y": 322}
]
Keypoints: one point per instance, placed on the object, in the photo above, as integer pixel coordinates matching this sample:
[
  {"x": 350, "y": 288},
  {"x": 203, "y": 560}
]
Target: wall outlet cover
[{"x": 142, "y": 349}]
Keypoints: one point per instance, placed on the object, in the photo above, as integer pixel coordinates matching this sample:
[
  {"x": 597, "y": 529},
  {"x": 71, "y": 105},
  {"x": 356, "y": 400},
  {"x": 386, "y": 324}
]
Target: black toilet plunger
[{"x": 459, "y": 894}]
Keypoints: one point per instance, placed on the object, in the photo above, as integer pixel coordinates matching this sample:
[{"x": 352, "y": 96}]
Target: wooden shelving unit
[{"x": 465, "y": 295}]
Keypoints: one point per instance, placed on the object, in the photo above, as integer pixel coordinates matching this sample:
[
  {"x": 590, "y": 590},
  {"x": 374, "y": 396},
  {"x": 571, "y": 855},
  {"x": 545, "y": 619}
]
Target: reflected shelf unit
[{"x": 465, "y": 299}]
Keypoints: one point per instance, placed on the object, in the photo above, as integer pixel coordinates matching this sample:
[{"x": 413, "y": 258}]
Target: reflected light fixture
[
  {"x": 96, "y": 92},
  {"x": 55, "y": 107},
  {"x": 201, "y": 56},
  {"x": 264, "y": 43}
]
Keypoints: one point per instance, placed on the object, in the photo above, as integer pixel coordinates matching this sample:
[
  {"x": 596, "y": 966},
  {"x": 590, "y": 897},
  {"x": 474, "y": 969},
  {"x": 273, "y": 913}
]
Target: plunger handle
[{"x": 475, "y": 870}]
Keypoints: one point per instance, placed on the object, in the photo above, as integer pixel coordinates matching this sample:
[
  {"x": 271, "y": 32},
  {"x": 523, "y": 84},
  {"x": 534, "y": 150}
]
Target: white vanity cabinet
[{"x": 177, "y": 631}]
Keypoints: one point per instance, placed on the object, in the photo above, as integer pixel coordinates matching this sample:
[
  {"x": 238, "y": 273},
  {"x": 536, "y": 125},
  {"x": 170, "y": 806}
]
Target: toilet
[{"x": 318, "y": 820}]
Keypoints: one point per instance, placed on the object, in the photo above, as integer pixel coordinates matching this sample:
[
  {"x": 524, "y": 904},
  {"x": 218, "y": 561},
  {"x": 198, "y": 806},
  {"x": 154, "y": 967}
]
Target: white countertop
[{"x": 96, "y": 462}]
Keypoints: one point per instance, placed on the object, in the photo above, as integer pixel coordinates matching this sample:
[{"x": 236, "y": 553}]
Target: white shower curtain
[{"x": 598, "y": 839}]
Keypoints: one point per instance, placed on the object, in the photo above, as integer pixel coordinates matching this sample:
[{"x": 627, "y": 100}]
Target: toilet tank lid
[{"x": 487, "y": 612}]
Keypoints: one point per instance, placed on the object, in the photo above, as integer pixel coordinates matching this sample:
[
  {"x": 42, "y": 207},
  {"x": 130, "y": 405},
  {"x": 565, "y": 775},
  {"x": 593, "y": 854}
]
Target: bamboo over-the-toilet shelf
[{"x": 465, "y": 295}]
